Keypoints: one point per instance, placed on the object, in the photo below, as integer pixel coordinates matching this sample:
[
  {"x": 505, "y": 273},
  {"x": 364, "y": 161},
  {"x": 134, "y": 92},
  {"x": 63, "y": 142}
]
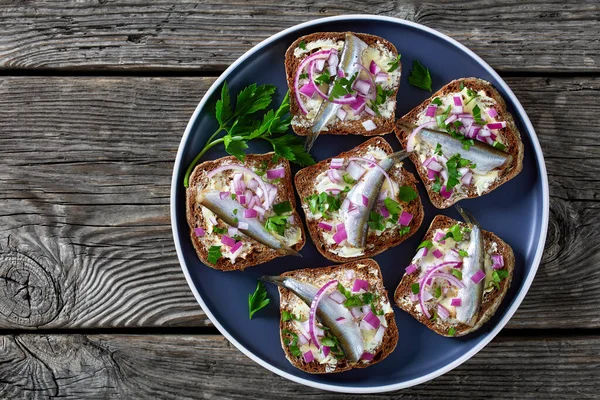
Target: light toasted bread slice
[
  {"x": 294, "y": 314},
  {"x": 507, "y": 137},
  {"x": 493, "y": 294},
  {"x": 380, "y": 50},
  {"x": 198, "y": 216},
  {"x": 307, "y": 182}
]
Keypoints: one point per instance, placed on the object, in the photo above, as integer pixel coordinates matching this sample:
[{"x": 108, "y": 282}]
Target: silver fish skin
[
  {"x": 369, "y": 185},
  {"x": 486, "y": 157},
  {"x": 471, "y": 294},
  {"x": 224, "y": 209},
  {"x": 351, "y": 55},
  {"x": 348, "y": 334}
]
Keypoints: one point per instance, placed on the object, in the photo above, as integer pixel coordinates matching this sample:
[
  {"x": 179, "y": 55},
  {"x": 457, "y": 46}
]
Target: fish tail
[
  {"x": 288, "y": 251},
  {"x": 310, "y": 140},
  {"x": 277, "y": 280},
  {"x": 466, "y": 215},
  {"x": 399, "y": 155}
]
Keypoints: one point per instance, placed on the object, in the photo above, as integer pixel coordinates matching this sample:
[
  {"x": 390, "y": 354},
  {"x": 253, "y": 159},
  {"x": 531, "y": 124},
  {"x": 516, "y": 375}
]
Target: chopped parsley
[
  {"x": 454, "y": 233},
  {"x": 368, "y": 297},
  {"x": 404, "y": 230},
  {"x": 453, "y": 164},
  {"x": 441, "y": 119},
  {"x": 438, "y": 150},
  {"x": 287, "y": 316},
  {"x": 233, "y": 196},
  {"x": 463, "y": 253},
  {"x": 258, "y": 300},
  {"x": 219, "y": 230},
  {"x": 438, "y": 292},
  {"x": 348, "y": 179},
  {"x": 303, "y": 76},
  {"x": 276, "y": 223},
  {"x": 292, "y": 343},
  {"x": 457, "y": 273},
  {"x": 462, "y": 85},
  {"x": 407, "y": 194},
  {"x": 235, "y": 211},
  {"x": 419, "y": 76},
  {"x": 342, "y": 87},
  {"x": 437, "y": 102},
  {"x": 498, "y": 276},
  {"x": 499, "y": 145},
  {"x": 302, "y": 45},
  {"x": 323, "y": 203},
  {"x": 282, "y": 207},
  {"x": 451, "y": 331},
  {"x": 214, "y": 253},
  {"x": 323, "y": 78},
  {"x": 394, "y": 65},
  {"x": 415, "y": 288},
  {"x": 477, "y": 115},
  {"x": 437, "y": 185},
  {"x": 393, "y": 207},
  {"x": 328, "y": 341},
  {"x": 425, "y": 243},
  {"x": 260, "y": 171},
  {"x": 381, "y": 97},
  {"x": 376, "y": 221},
  {"x": 472, "y": 95}
]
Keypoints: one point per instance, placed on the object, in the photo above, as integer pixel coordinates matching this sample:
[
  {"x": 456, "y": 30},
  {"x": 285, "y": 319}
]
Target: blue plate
[{"x": 517, "y": 212}]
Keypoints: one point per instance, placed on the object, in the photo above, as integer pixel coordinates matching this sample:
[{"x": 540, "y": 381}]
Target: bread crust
[
  {"x": 491, "y": 300},
  {"x": 361, "y": 270},
  {"x": 384, "y": 125},
  {"x": 510, "y": 134},
  {"x": 304, "y": 181},
  {"x": 260, "y": 253}
]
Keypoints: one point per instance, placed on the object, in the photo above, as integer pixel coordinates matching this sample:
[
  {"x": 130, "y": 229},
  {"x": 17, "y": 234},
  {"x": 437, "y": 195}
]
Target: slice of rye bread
[
  {"x": 305, "y": 181},
  {"x": 491, "y": 300},
  {"x": 355, "y": 127},
  {"x": 366, "y": 269},
  {"x": 260, "y": 253},
  {"x": 510, "y": 134}
]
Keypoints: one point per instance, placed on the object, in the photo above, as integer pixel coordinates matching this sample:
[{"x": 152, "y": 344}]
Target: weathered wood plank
[
  {"x": 169, "y": 367},
  {"x": 85, "y": 167},
  {"x": 208, "y": 36}
]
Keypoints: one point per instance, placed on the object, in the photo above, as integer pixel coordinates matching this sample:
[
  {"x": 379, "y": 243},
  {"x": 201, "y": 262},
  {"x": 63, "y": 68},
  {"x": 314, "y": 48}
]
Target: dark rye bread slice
[
  {"x": 510, "y": 134},
  {"x": 491, "y": 300},
  {"x": 384, "y": 125},
  {"x": 361, "y": 271},
  {"x": 305, "y": 182},
  {"x": 260, "y": 253}
]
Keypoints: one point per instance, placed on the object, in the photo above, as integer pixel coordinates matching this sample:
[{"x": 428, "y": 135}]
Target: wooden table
[{"x": 94, "y": 98}]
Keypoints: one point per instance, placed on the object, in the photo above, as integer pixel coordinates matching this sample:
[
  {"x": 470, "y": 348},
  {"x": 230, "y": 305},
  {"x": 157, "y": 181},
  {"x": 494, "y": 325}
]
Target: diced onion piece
[
  {"x": 250, "y": 213},
  {"x": 236, "y": 247},
  {"x": 340, "y": 236},
  {"x": 276, "y": 173},
  {"x": 333, "y": 191},
  {"x": 199, "y": 231},
  {"x": 334, "y": 176},
  {"x": 341, "y": 73},
  {"x": 372, "y": 319},
  {"x": 259, "y": 210},
  {"x": 360, "y": 284},
  {"x": 438, "y": 236},
  {"x": 456, "y": 302},
  {"x": 312, "y": 320},
  {"x": 358, "y": 104},
  {"x": 435, "y": 166},
  {"x": 492, "y": 112},
  {"x": 252, "y": 184},
  {"x": 450, "y": 278},
  {"x": 365, "y": 200},
  {"x": 224, "y": 195},
  {"x": 355, "y": 170},
  {"x": 349, "y": 274},
  {"x": 413, "y": 297},
  {"x": 431, "y": 174},
  {"x": 478, "y": 276},
  {"x": 405, "y": 218},
  {"x": 362, "y": 86},
  {"x": 337, "y": 297},
  {"x": 374, "y": 68},
  {"x": 232, "y": 231},
  {"x": 320, "y": 64},
  {"x": 466, "y": 178},
  {"x": 332, "y": 62},
  {"x": 379, "y": 335},
  {"x": 496, "y": 125},
  {"x": 341, "y": 114},
  {"x": 369, "y": 111},
  {"x": 356, "y": 312},
  {"x": 325, "y": 350},
  {"x": 437, "y": 253},
  {"x": 308, "y": 90},
  {"x": 325, "y": 225},
  {"x": 366, "y": 356},
  {"x": 213, "y": 220},
  {"x": 445, "y": 193},
  {"x": 431, "y": 110},
  {"x": 451, "y": 119},
  {"x": 498, "y": 261},
  {"x": 457, "y": 109},
  {"x": 443, "y": 312},
  {"x": 410, "y": 269},
  {"x": 341, "y": 320},
  {"x": 227, "y": 241},
  {"x": 239, "y": 168},
  {"x": 381, "y": 77},
  {"x": 384, "y": 212},
  {"x": 309, "y": 357},
  {"x": 242, "y": 225},
  {"x": 422, "y": 252},
  {"x": 302, "y": 339},
  {"x": 369, "y": 125},
  {"x": 484, "y": 133},
  {"x": 242, "y": 199}
]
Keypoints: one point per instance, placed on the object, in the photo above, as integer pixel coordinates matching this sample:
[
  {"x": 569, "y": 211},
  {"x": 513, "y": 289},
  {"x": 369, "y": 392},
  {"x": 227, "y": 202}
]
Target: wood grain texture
[
  {"x": 191, "y": 367},
  {"x": 208, "y": 36},
  {"x": 85, "y": 166}
]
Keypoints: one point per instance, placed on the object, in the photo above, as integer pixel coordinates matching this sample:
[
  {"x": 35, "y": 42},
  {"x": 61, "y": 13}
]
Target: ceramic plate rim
[{"x": 522, "y": 290}]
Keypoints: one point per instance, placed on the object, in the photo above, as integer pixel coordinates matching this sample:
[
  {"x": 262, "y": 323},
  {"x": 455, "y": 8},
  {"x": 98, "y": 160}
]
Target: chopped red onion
[
  {"x": 355, "y": 170},
  {"x": 238, "y": 167},
  {"x": 358, "y": 104},
  {"x": 252, "y": 184},
  {"x": 302, "y": 339},
  {"x": 232, "y": 231},
  {"x": 381, "y": 77},
  {"x": 369, "y": 94},
  {"x": 484, "y": 133},
  {"x": 457, "y": 110},
  {"x": 466, "y": 178},
  {"x": 498, "y": 261},
  {"x": 438, "y": 236},
  {"x": 340, "y": 236},
  {"x": 410, "y": 269},
  {"x": 443, "y": 312},
  {"x": 451, "y": 119},
  {"x": 337, "y": 297},
  {"x": 379, "y": 335},
  {"x": 242, "y": 199},
  {"x": 320, "y": 64},
  {"x": 410, "y": 145},
  {"x": 458, "y": 101},
  {"x": 422, "y": 252},
  {"x": 308, "y": 90},
  {"x": 224, "y": 195},
  {"x": 413, "y": 297},
  {"x": 435, "y": 166},
  {"x": 250, "y": 213},
  {"x": 334, "y": 176},
  {"x": 369, "y": 111},
  {"x": 431, "y": 174},
  {"x": 325, "y": 350},
  {"x": 362, "y": 86},
  {"x": 242, "y": 225},
  {"x": 360, "y": 284},
  {"x": 431, "y": 110},
  {"x": 259, "y": 210},
  {"x": 452, "y": 257},
  {"x": 341, "y": 73},
  {"x": 309, "y": 357},
  {"x": 236, "y": 247},
  {"x": 492, "y": 112},
  {"x": 336, "y": 163},
  {"x": 341, "y": 114},
  {"x": 426, "y": 279},
  {"x": 478, "y": 276},
  {"x": 384, "y": 212},
  {"x": 366, "y": 356},
  {"x": 325, "y": 225},
  {"x": 372, "y": 319},
  {"x": 365, "y": 200},
  {"x": 456, "y": 302},
  {"x": 405, "y": 218},
  {"x": 356, "y": 312},
  {"x": 496, "y": 125},
  {"x": 199, "y": 231},
  {"x": 276, "y": 173},
  {"x": 445, "y": 193},
  {"x": 332, "y": 62},
  {"x": 213, "y": 220},
  {"x": 374, "y": 68},
  {"x": 369, "y": 125},
  {"x": 333, "y": 191},
  {"x": 437, "y": 253},
  {"x": 227, "y": 241}
]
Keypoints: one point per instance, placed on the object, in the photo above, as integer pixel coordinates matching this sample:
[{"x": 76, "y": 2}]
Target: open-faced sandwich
[
  {"x": 342, "y": 83},
  {"x": 463, "y": 141},
  {"x": 359, "y": 203},
  {"x": 336, "y": 318},
  {"x": 458, "y": 277},
  {"x": 243, "y": 214}
]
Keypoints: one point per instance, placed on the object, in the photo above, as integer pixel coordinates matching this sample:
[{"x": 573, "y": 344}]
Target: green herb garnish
[
  {"x": 438, "y": 292},
  {"x": 498, "y": 276},
  {"x": 302, "y": 45},
  {"x": 454, "y": 233},
  {"x": 323, "y": 78},
  {"x": 249, "y": 121},
  {"x": 437, "y": 185},
  {"x": 214, "y": 253},
  {"x": 376, "y": 221},
  {"x": 276, "y": 223},
  {"x": 438, "y": 150},
  {"x": 477, "y": 115},
  {"x": 451, "y": 331},
  {"x": 303, "y": 76},
  {"x": 407, "y": 194},
  {"x": 415, "y": 288},
  {"x": 441, "y": 119},
  {"x": 463, "y": 253},
  {"x": 499, "y": 145},
  {"x": 282, "y": 207},
  {"x": 323, "y": 203},
  {"x": 342, "y": 87},
  {"x": 419, "y": 76},
  {"x": 394, "y": 64},
  {"x": 425, "y": 243},
  {"x": 219, "y": 230},
  {"x": 293, "y": 343},
  {"x": 348, "y": 179},
  {"x": 457, "y": 273},
  {"x": 455, "y": 162},
  {"x": 404, "y": 230},
  {"x": 287, "y": 316},
  {"x": 462, "y": 85},
  {"x": 437, "y": 102},
  {"x": 258, "y": 299}
]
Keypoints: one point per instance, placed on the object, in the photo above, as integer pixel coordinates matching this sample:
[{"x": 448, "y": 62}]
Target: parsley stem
[{"x": 188, "y": 172}]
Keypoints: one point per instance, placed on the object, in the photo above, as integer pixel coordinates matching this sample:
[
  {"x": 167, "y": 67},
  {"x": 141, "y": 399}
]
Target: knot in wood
[{"x": 28, "y": 295}]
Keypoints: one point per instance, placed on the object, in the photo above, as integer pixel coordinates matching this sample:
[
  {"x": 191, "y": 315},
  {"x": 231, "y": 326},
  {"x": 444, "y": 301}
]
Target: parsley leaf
[
  {"x": 282, "y": 207},
  {"x": 343, "y": 290},
  {"x": 323, "y": 203},
  {"x": 454, "y": 233},
  {"x": 258, "y": 300},
  {"x": 425, "y": 243},
  {"x": 415, "y": 288},
  {"x": 457, "y": 273},
  {"x": 394, "y": 65},
  {"x": 323, "y": 78},
  {"x": 214, "y": 253},
  {"x": 376, "y": 221},
  {"x": 287, "y": 316},
  {"x": 407, "y": 194},
  {"x": 419, "y": 76},
  {"x": 392, "y": 206},
  {"x": 348, "y": 179},
  {"x": 292, "y": 344},
  {"x": 302, "y": 45},
  {"x": 437, "y": 102},
  {"x": 477, "y": 115},
  {"x": 451, "y": 331},
  {"x": 223, "y": 110},
  {"x": 437, "y": 185},
  {"x": 328, "y": 341},
  {"x": 291, "y": 147},
  {"x": 453, "y": 163},
  {"x": 499, "y": 145},
  {"x": 441, "y": 119},
  {"x": 342, "y": 87},
  {"x": 219, "y": 231},
  {"x": 380, "y": 97},
  {"x": 303, "y": 76},
  {"x": 276, "y": 223},
  {"x": 438, "y": 150},
  {"x": 368, "y": 297},
  {"x": 463, "y": 253},
  {"x": 499, "y": 275},
  {"x": 404, "y": 230},
  {"x": 462, "y": 85},
  {"x": 438, "y": 292}
]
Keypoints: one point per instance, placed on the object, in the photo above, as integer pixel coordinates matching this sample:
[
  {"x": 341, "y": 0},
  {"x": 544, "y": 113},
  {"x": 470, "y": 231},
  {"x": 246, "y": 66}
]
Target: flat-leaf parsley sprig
[{"x": 243, "y": 123}]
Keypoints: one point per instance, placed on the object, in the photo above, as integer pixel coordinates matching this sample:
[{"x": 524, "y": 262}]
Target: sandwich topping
[
  {"x": 459, "y": 141},
  {"x": 344, "y": 80},
  {"x": 356, "y": 199},
  {"x": 456, "y": 269},
  {"x": 347, "y": 324},
  {"x": 242, "y": 205}
]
